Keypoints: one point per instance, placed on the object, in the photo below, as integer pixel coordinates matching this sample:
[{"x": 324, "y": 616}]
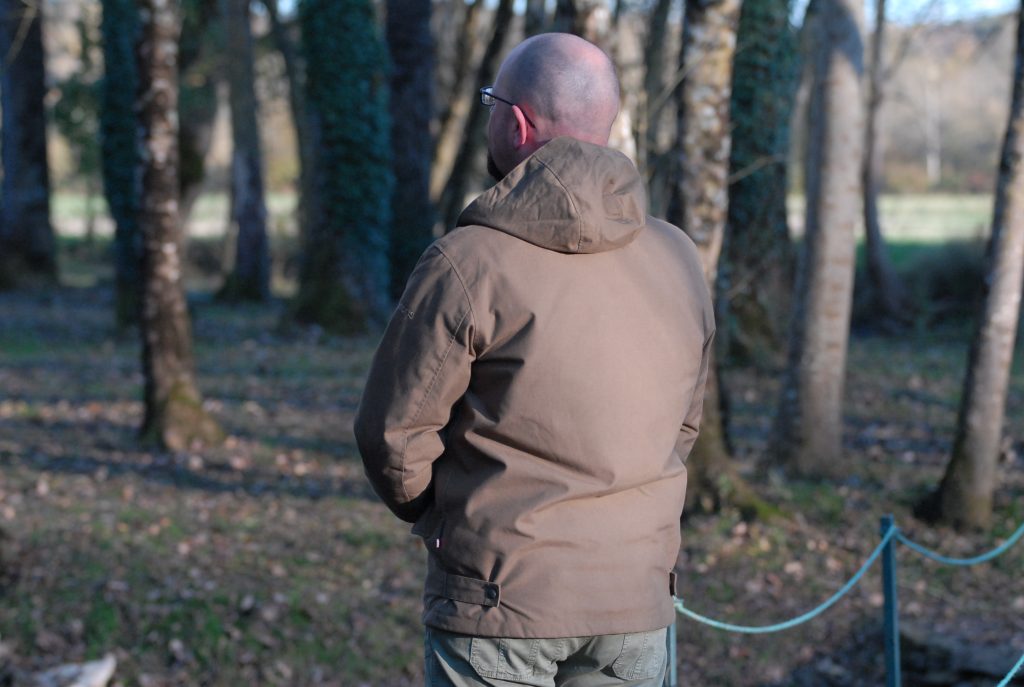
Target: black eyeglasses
[{"x": 488, "y": 99}]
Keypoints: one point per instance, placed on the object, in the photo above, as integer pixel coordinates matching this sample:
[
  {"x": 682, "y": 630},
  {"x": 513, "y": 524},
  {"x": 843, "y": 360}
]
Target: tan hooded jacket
[{"x": 533, "y": 400}]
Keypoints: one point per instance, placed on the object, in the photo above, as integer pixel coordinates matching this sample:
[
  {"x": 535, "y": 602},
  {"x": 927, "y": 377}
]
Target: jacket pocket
[
  {"x": 503, "y": 658},
  {"x": 644, "y": 655}
]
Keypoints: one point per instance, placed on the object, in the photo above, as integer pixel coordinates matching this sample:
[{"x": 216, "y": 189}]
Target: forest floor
[{"x": 268, "y": 560}]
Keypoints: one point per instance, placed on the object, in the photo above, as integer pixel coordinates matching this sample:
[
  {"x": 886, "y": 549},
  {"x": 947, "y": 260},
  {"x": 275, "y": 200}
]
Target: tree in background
[
  {"x": 199, "y": 54},
  {"x": 698, "y": 204},
  {"x": 653, "y": 99},
  {"x": 594, "y": 21},
  {"x": 287, "y": 46},
  {"x": 120, "y": 153},
  {"x": 412, "y": 97},
  {"x": 76, "y": 116},
  {"x": 344, "y": 275},
  {"x": 809, "y": 422},
  {"x": 174, "y": 412},
  {"x": 250, "y": 276},
  {"x": 27, "y": 242},
  {"x": 889, "y": 299},
  {"x": 756, "y": 281},
  {"x": 965, "y": 496},
  {"x": 453, "y": 197},
  {"x": 535, "y": 17},
  {"x": 459, "y": 103},
  {"x": 590, "y": 19}
]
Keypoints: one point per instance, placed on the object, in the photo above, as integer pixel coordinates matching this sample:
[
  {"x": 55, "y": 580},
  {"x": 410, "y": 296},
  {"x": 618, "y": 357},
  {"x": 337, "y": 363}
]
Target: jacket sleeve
[
  {"x": 420, "y": 371},
  {"x": 691, "y": 423}
]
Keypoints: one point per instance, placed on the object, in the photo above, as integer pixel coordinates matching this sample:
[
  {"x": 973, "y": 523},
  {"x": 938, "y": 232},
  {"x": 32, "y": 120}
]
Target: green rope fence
[{"x": 887, "y": 551}]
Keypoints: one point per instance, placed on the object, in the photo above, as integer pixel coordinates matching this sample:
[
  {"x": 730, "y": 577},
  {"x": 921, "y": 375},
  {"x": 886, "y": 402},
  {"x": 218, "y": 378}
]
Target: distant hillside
[{"x": 946, "y": 106}]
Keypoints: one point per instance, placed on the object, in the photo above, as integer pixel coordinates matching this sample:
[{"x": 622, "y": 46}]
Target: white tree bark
[{"x": 808, "y": 432}]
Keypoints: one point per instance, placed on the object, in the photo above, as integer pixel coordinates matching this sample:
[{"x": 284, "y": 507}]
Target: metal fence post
[
  {"x": 671, "y": 676},
  {"x": 891, "y": 608}
]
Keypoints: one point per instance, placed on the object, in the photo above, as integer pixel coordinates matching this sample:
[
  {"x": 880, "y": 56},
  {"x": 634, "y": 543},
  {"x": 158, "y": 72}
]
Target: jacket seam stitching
[
  {"x": 436, "y": 375},
  {"x": 462, "y": 283},
  {"x": 572, "y": 201},
  {"x": 426, "y": 396}
]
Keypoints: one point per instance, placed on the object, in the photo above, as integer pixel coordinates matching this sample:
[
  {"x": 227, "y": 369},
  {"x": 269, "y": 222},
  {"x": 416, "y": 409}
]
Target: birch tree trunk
[
  {"x": 755, "y": 282},
  {"x": 700, "y": 198},
  {"x": 809, "y": 423},
  {"x": 412, "y": 96},
  {"x": 965, "y": 495},
  {"x": 699, "y": 204},
  {"x": 174, "y": 414},
  {"x": 250, "y": 277},
  {"x": 27, "y": 243},
  {"x": 888, "y": 296}
]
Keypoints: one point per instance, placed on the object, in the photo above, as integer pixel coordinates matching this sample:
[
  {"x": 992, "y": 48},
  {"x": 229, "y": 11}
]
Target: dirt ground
[{"x": 268, "y": 560}]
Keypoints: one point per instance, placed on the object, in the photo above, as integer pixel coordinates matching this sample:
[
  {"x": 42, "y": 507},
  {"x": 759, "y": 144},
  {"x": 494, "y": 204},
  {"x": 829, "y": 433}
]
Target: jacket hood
[{"x": 569, "y": 196}]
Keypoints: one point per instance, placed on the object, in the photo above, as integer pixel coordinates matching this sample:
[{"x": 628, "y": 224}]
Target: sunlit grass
[{"x": 920, "y": 218}]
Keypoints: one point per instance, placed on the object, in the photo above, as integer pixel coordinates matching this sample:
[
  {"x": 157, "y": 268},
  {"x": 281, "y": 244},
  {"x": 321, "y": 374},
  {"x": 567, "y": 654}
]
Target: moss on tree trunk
[{"x": 174, "y": 413}]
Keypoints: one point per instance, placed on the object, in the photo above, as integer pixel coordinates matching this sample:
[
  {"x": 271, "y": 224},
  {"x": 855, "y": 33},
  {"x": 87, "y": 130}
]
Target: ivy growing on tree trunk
[
  {"x": 27, "y": 242},
  {"x": 412, "y": 51},
  {"x": 120, "y": 152},
  {"x": 345, "y": 273},
  {"x": 756, "y": 281}
]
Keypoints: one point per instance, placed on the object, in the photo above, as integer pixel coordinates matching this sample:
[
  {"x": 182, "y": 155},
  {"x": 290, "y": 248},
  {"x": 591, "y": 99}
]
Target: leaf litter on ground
[{"x": 268, "y": 560}]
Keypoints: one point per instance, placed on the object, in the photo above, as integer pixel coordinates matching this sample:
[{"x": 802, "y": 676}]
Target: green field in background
[
  {"x": 924, "y": 218},
  {"x": 71, "y": 207}
]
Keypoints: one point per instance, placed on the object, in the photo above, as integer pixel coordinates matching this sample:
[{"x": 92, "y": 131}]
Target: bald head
[{"x": 569, "y": 83}]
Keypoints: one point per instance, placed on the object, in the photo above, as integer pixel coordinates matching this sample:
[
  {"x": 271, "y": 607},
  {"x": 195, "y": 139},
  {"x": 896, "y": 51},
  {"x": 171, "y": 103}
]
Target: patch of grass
[
  {"x": 23, "y": 628},
  {"x": 366, "y": 538},
  {"x": 922, "y": 217},
  {"x": 135, "y": 516},
  {"x": 935, "y": 217},
  {"x": 15, "y": 346},
  {"x": 102, "y": 625},
  {"x": 822, "y": 498},
  {"x": 198, "y": 624},
  {"x": 721, "y": 593}
]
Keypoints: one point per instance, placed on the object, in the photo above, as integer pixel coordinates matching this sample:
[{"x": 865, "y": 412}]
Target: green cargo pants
[{"x": 630, "y": 660}]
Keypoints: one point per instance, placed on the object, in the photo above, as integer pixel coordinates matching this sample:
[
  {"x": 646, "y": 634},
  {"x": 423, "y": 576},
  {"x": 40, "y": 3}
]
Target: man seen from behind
[{"x": 535, "y": 396}]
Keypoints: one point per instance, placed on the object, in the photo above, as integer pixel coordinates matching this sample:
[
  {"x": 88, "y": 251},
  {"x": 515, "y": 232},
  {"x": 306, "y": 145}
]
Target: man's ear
[{"x": 521, "y": 133}]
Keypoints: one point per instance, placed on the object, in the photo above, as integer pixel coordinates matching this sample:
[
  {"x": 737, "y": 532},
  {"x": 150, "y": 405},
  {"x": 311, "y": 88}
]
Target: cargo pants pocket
[
  {"x": 503, "y": 658},
  {"x": 644, "y": 655}
]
